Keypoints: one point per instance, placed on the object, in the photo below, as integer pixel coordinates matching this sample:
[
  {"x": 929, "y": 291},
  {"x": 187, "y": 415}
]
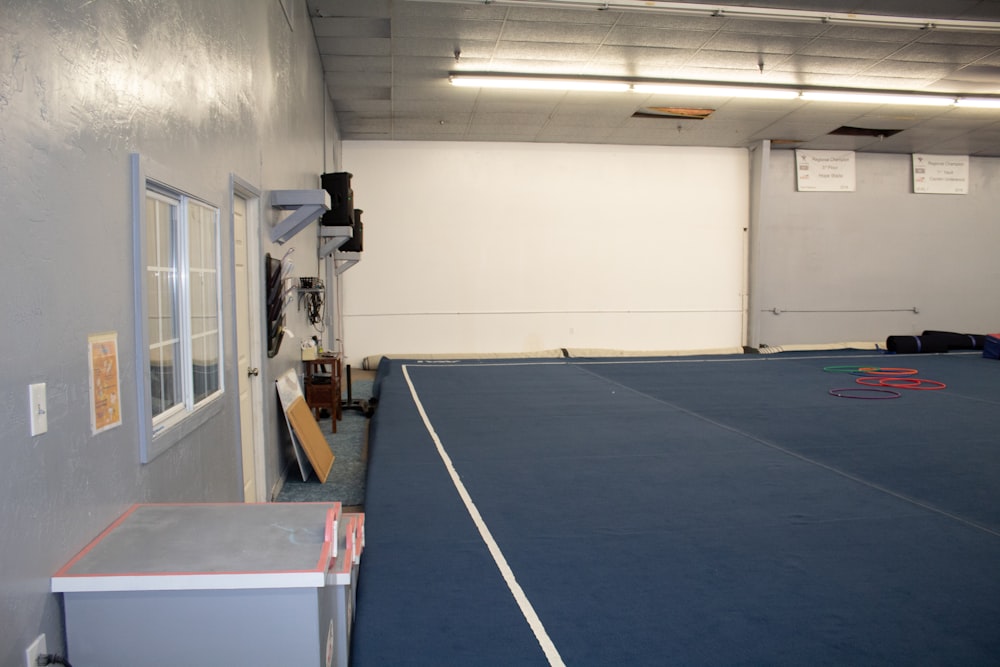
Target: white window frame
[{"x": 160, "y": 432}]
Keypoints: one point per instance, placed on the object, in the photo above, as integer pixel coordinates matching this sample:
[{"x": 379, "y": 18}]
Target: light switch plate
[
  {"x": 33, "y": 652},
  {"x": 39, "y": 408}
]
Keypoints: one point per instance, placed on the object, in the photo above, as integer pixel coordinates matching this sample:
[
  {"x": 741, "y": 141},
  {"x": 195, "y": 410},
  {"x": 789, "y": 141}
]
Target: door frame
[{"x": 243, "y": 189}]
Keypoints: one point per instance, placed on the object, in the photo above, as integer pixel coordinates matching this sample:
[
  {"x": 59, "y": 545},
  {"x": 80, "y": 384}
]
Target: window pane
[
  {"x": 183, "y": 322},
  {"x": 161, "y": 232},
  {"x": 204, "y": 302},
  {"x": 153, "y": 307},
  {"x": 165, "y": 382},
  {"x": 197, "y": 280},
  {"x": 162, "y": 305},
  {"x": 152, "y": 235},
  {"x": 161, "y": 302},
  {"x": 201, "y": 232},
  {"x": 206, "y": 366},
  {"x": 211, "y": 305}
]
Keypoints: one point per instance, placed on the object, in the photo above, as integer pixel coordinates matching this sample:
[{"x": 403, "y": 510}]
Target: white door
[{"x": 244, "y": 235}]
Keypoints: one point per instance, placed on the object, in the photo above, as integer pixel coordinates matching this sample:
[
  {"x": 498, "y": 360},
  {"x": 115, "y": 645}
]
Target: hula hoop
[
  {"x": 894, "y": 372},
  {"x": 884, "y": 382},
  {"x": 921, "y": 384},
  {"x": 847, "y": 391},
  {"x": 902, "y": 383},
  {"x": 854, "y": 370}
]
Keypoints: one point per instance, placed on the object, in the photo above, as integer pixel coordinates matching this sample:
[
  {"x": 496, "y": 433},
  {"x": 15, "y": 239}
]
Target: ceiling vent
[
  {"x": 674, "y": 113},
  {"x": 848, "y": 131}
]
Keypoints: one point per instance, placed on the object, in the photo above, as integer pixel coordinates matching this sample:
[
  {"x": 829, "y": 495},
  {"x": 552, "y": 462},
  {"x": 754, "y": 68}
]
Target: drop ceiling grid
[{"x": 396, "y": 86}]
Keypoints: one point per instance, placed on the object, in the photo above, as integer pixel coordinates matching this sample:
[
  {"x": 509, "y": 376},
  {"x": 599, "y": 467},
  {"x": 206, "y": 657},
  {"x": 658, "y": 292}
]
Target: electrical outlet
[
  {"x": 36, "y": 649},
  {"x": 39, "y": 408}
]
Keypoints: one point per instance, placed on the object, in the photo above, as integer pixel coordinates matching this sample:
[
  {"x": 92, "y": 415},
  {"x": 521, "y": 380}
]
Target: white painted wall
[
  {"x": 857, "y": 262},
  {"x": 485, "y": 247}
]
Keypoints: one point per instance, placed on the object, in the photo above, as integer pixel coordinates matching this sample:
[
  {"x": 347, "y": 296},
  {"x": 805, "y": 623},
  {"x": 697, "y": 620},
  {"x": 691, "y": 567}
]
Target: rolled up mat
[
  {"x": 915, "y": 344},
  {"x": 991, "y": 346},
  {"x": 958, "y": 341}
]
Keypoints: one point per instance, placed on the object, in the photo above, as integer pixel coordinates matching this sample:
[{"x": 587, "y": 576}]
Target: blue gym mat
[{"x": 688, "y": 511}]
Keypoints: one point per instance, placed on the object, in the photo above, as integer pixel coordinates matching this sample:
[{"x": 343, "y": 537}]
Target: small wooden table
[{"x": 321, "y": 387}]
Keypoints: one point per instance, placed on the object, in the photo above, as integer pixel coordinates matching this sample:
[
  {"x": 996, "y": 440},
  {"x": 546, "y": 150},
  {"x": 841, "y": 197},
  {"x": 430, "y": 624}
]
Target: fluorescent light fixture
[
  {"x": 695, "y": 89},
  {"x": 876, "y": 98},
  {"x": 978, "y": 102},
  {"x": 754, "y": 92},
  {"x": 538, "y": 83}
]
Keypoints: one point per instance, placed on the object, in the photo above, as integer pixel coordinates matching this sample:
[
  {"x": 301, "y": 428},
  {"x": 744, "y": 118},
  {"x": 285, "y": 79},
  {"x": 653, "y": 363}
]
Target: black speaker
[
  {"x": 338, "y": 186},
  {"x": 356, "y": 243}
]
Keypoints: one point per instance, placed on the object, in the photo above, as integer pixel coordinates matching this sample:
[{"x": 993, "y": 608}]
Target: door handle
[{"x": 253, "y": 372}]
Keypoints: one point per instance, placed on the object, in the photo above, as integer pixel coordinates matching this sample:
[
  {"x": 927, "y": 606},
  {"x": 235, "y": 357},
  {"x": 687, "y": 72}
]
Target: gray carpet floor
[{"x": 346, "y": 481}]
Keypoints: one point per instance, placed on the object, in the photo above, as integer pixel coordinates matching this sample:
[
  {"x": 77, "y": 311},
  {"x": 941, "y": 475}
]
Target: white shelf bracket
[
  {"x": 345, "y": 260},
  {"x": 307, "y": 206},
  {"x": 337, "y": 236}
]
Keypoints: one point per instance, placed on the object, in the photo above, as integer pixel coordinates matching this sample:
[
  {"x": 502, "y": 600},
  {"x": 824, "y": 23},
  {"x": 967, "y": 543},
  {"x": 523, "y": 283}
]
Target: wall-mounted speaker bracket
[
  {"x": 307, "y": 206},
  {"x": 345, "y": 260},
  {"x": 335, "y": 237}
]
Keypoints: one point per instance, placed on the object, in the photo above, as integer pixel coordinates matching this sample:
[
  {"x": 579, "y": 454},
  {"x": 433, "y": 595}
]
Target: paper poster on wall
[
  {"x": 940, "y": 174},
  {"x": 824, "y": 171},
  {"x": 105, "y": 388}
]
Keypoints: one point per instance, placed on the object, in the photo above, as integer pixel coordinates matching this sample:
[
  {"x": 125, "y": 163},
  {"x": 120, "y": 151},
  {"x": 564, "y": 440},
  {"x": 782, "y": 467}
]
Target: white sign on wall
[
  {"x": 825, "y": 171},
  {"x": 940, "y": 174}
]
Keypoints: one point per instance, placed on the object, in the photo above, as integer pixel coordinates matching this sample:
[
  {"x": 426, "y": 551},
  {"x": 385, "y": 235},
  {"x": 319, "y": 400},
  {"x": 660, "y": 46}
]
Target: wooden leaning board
[{"x": 305, "y": 426}]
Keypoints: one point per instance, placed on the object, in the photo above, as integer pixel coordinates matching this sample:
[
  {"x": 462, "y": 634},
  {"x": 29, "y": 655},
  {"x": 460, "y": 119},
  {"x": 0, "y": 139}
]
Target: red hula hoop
[
  {"x": 922, "y": 385},
  {"x": 919, "y": 384},
  {"x": 885, "y": 382}
]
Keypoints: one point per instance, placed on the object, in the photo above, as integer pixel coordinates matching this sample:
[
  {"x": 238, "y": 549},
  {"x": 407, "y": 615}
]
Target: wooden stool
[{"x": 321, "y": 386}]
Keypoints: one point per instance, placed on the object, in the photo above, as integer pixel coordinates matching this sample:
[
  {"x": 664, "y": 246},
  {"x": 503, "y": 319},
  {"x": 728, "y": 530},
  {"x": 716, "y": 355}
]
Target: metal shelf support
[
  {"x": 345, "y": 260},
  {"x": 337, "y": 236},
  {"x": 307, "y": 206}
]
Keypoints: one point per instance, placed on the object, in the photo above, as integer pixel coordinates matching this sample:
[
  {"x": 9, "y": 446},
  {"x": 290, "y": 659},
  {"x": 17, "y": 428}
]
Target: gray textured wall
[
  {"x": 204, "y": 89},
  {"x": 858, "y": 260}
]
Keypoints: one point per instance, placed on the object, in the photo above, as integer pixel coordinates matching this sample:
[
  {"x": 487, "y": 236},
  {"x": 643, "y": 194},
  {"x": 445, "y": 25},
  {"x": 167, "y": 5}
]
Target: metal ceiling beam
[{"x": 757, "y": 13}]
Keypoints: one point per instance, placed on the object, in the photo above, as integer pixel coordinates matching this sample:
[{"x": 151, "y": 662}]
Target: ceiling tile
[
  {"x": 362, "y": 106},
  {"x": 545, "y": 51},
  {"x": 351, "y": 27},
  {"x": 652, "y": 37},
  {"x": 387, "y": 62},
  {"x": 360, "y": 93},
  {"x": 371, "y": 64},
  {"x": 562, "y": 134},
  {"x": 963, "y": 38},
  {"x": 560, "y": 33},
  {"x": 853, "y": 48},
  {"x": 823, "y": 65},
  {"x": 642, "y": 57},
  {"x": 909, "y": 69},
  {"x": 338, "y": 80},
  {"x": 442, "y": 48},
  {"x": 545, "y": 15},
  {"x": 480, "y": 12},
  {"x": 853, "y": 32},
  {"x": 424, "y": 27},
  {"x": 942, "y": 53},
  {"x": 371, "y": 8},
  {"x": 745, "y": 60},
  {"x": 353, "y": 46},
  {"x": 670, "y": 21}
]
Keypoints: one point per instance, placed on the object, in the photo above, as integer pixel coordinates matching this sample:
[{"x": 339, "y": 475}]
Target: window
[{"x": 179, "y": 356}]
